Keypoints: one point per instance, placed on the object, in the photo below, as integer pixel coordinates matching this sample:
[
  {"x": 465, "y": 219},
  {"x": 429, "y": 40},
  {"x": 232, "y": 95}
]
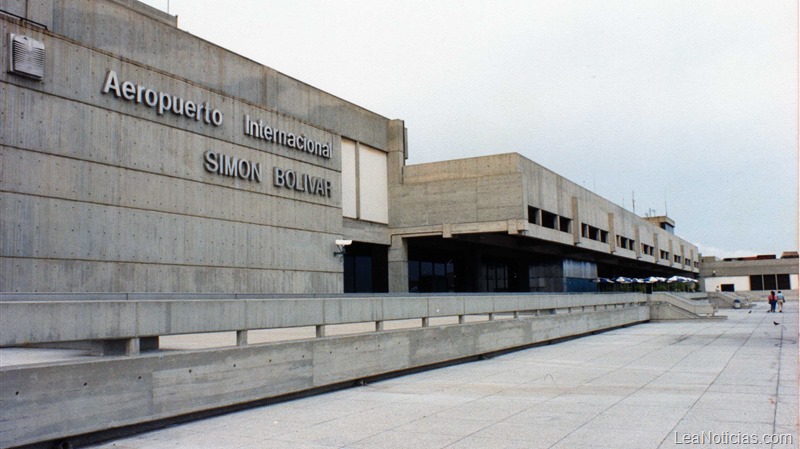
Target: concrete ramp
[{"x": 674, "y": 306}]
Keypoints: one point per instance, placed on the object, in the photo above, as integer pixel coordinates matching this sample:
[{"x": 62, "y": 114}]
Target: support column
[
  {"x": 612, "y": 234},
  {"x": 132, "y": 346},
  {"x": 576, "y": 221},
  {"x": 241, "y": 338},
  {"x": 398, "y": 265},
  {"x": 656, "y": 248}
]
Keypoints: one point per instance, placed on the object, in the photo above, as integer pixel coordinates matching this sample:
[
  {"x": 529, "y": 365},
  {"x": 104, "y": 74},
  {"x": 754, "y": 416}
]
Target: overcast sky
[{"x": 688, "y": 107}]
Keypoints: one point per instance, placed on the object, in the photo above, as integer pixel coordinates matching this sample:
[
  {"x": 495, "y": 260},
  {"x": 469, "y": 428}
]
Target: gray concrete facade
[
  {"x": 102, "y": 193},
  {"x": 112, "y": 182},
  {"x": 510, "y": 202},
  {"x": 500, "y": 189}
]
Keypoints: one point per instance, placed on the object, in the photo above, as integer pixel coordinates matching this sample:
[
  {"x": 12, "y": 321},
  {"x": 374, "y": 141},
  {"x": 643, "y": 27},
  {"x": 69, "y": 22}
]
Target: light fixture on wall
[{"x": 342, "y": 246}]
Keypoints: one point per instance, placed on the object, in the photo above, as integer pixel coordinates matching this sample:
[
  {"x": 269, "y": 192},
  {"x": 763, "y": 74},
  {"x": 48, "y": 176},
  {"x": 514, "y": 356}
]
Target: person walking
[
  {"x": 779, "y": 297},
  {"x": 772, "y": 301}
]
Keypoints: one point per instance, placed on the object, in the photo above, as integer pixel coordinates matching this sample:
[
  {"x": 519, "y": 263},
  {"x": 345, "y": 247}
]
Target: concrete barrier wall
[
  {"x": 761, "y": 296},
  {"x": 58, "y": 400},
  {"x": 26, "y": 320}
]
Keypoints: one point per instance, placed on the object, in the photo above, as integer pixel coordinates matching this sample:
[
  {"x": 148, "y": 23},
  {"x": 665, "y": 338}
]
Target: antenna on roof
[{"x": 633, "y": 201}]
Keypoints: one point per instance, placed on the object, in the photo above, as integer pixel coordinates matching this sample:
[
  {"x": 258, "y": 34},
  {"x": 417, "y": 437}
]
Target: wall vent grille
[{"x": 27, "y": 56}]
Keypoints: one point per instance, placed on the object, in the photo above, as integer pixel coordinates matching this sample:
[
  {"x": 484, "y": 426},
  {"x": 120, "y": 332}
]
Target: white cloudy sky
[{"x": 685, "y": 105}]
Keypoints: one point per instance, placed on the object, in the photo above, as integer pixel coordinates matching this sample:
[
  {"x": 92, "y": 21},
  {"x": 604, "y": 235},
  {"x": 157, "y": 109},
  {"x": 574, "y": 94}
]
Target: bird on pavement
[{"x": 775, "y": 323}]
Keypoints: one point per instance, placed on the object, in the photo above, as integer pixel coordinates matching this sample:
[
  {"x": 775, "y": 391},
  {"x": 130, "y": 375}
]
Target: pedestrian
[
  {"x": 772, "y": 301},
  {"x": 779, "y": 297}
]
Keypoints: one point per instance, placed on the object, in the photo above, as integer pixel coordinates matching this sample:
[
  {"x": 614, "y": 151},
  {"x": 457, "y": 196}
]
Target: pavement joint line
[
  {"x": 777, "y": 386},
  {"x": 563, "y": 368},
  {"x": 620, "y": 367},
  {"x": 688, "y": 409},
  {"x": 641, "y": 387},
  {"x": 777, "y": 383}
]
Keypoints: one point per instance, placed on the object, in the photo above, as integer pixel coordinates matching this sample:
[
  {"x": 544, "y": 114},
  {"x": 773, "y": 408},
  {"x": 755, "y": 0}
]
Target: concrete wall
[
  {"x": 714, "y": 269},
  {"x": 479, "y": 194},
  {"x": 104, "y": 194},
  {"x": 462, "y": 191},
  {"x": 159, "y": 385}
]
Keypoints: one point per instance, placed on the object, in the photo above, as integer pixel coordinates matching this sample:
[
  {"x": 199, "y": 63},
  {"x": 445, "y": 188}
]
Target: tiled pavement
[{"x": 696, "y": 384}]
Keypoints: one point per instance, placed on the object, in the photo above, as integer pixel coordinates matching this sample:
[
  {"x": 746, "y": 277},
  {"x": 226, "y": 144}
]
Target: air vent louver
[{"x": 27, "y": 56}]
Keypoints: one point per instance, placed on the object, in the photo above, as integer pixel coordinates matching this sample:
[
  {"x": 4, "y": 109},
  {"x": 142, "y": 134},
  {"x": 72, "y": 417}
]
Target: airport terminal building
[{"x": 136, "y": 157}]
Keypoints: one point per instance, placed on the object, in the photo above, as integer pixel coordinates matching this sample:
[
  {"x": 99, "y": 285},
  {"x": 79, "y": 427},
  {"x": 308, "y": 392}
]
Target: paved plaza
[{"x": 698, "y": 384}]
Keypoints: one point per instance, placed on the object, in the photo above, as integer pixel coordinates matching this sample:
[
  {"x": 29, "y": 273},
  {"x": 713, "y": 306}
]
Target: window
[
  {"x": 373, "y": 184},
  {"x": 549, "y": 220},
  {"x": 625, "y": 242},
  {"x": 533, "y": 215},
  {"x": 756, "y": 282},
  {"x": 783, "y": 282},
  {"x": 430, "y": 276},
  {"x": 349, "y": 200},
  {"x": 564, "y": 224},
  {"x": 495, "y": 275},
  {"x": 592, "y": 233},
  {"x": 365, "y": 182},
  {"x": 357, "y": 274},
  {"x": 770, "y": 282}
]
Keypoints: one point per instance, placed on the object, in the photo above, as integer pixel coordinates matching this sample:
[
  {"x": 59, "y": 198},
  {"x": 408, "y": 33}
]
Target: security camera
[{"x": 341, "y": 245}]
